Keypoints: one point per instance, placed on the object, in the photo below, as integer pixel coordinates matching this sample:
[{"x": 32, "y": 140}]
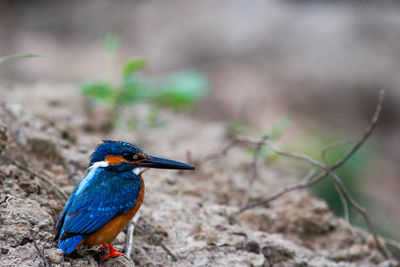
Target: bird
[{"x": 108, "y": 197}]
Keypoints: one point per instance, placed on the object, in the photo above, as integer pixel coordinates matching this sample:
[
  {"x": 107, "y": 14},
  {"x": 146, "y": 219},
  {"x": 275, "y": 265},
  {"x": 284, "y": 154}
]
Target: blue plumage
[
  {"x": 111, "y": 188},
  {"x": 68, "y": 245},
  {"x": 98, "y": 198}
]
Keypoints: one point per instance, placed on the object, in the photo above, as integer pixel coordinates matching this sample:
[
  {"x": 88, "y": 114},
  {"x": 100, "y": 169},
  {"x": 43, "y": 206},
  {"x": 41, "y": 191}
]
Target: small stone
[
  {"x": 221, "y": 227},
  {"x": 171, "y": 181},
  {"x": 57, "y": 169},
  {"x": 121, "y": 261},
  {"x": 4, "y": 250},
  {"x": 252, "y": 246},
  {"x": 55, "y": 255},
  {"x": 276, "y": 254}
]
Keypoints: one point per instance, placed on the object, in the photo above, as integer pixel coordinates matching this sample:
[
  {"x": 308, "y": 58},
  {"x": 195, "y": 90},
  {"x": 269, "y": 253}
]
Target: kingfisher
[{"x": 108, "y": 197}]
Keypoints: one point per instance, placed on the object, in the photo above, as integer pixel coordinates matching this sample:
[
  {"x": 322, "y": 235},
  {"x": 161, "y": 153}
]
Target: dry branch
[
  {"x": 326, "y": 170},
  {"x": 329, "y": 170},
  {"x": 41, "y": 254},
  {"x": 361, "y": 210},
  {"x": 310, "y": 160},
  {"x": 222, "y": 153},
  {"x": 337, "y": 144},
  {"x": 129, "y": 235},
  {"x": 343, "y": 200},
  {"x": 368, "y": 131},
  {"x": 10, "y": 207},
  {"x": 253, "y": 174},
  {"x": 337, "y": 187}
]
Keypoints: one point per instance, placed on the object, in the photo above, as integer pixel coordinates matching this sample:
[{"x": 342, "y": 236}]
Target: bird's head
[{"x": 123, "y": 156}]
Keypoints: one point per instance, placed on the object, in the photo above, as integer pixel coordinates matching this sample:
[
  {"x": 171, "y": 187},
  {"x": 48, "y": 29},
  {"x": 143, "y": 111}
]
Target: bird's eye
[
  {"x": 133, "y": 156},
  {"x": 129, "y": 156}
]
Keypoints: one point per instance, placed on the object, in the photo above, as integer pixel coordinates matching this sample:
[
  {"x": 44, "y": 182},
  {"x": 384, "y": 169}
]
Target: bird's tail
[{"x": 69, "y": 244}]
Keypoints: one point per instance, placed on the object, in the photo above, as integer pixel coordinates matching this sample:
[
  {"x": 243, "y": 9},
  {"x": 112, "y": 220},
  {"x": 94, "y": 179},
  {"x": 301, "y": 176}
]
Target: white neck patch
[
  {"x": 99, "y": 164},
  {"x": 139, "y": 170}
]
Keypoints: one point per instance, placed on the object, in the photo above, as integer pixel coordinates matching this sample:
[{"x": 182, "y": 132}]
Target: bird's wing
[
  {"x": 96, "y": 200},
  {"x": 62, "y": 216}
]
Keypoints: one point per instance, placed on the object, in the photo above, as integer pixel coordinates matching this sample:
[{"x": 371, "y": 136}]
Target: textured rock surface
[{"x": 188, "y": 210}]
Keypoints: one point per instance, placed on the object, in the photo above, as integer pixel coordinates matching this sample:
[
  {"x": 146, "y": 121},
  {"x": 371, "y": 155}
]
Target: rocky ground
[{"x": 46, "y": 137}]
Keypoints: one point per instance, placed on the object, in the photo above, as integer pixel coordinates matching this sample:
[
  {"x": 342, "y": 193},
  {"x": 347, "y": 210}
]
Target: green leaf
[
  {"x": 111, "y": 43},
  {"x": 279, "y": 127},
  {"x": 132, "y": 90},
  {"x": 182, "y": 90},
  {"x": 19, "y": 56},
  {"x": 99, "y": 90},
  {"x": 133, "y": 65}
]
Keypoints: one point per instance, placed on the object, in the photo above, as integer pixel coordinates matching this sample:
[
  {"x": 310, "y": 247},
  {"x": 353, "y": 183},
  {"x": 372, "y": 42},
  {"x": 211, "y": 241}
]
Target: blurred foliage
[
  {"x": 353, "y": 174},
  {"x": 178, "y": 91},
  {"x": 111, "y": 43},
  {"x": 18, "y": 56},
  {"x": 274, "y": 133},
  {"x": 237, "y": 128},
  {"x": 131, "y": 66}
]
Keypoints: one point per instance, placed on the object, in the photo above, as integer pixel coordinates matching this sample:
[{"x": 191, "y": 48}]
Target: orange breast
[{"x": 107, "y": 233}]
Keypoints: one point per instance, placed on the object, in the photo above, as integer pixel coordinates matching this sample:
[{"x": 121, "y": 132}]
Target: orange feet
[{"x": 113, "y": 252}]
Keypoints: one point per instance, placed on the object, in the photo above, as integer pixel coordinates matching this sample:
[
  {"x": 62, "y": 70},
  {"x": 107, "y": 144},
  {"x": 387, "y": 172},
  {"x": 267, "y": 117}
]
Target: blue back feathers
[{"x": 98, "y": 198}]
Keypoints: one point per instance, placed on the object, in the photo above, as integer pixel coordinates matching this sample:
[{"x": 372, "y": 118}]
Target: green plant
[
  {"x": 274, "y": 133},
  {"x": 18, "y": 56},
  {"x": 179, "y": 91},
  {"x": 111, "y": 43}
]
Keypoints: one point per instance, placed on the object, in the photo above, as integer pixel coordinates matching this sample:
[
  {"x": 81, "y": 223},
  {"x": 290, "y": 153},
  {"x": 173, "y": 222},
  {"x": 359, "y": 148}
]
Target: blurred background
[{"x": 305, "y": 72}]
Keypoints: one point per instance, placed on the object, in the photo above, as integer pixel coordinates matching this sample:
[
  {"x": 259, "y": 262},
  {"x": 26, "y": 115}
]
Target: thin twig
[
  {"x": 337, "y": 144},
  {"x": 307, "y": 181},
  {"x": 41, "y": 255},
  {"x": 58, "y": 190},
  {"x": 363, "y": 212},
  {"x": 337, "y": 188},
  {"x": 338, "y": 181},
  {"x": 8, "y": 198},
  {"x": 129, "y": 235},
  {"x": 322, "y": 175},
  {"x": 368, "y": 131},
  {"x": 223, "y": 152},
  {"x": 327, "y": 170},
  {"x": 303, "y": 157},
  {"x": 156, "y": 240},
  {"x": 346, "y": 212},
  {"x": 253, "y": 174}
]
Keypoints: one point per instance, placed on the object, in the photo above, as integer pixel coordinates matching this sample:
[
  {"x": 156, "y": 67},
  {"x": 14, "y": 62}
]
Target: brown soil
[{"x": 188, "y": 210}]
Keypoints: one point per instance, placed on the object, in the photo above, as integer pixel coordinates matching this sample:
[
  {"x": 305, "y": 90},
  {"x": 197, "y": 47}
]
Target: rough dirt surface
[{"x": 189, "y": 211}]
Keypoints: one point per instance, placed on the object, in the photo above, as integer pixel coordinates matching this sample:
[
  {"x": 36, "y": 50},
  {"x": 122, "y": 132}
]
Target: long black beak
[{"x": 160, "y": 163}]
